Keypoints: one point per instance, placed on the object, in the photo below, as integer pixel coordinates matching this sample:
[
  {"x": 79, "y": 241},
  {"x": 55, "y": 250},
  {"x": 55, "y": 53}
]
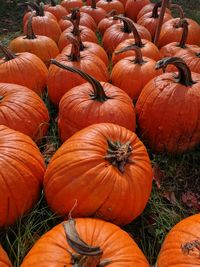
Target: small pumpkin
[
  {"x": 93, "y": 242},
  {"x": 110, "y": 166},
  {"x": 70, "y": 4},
  {"x": 4, "y": 260},
  {"x": 57, "y": 10},
  {"x": 175, "y": 128},
  {"x": 108, "y": 21},
  {"x": 109, "y": 5},
  {"x": 133, "y": 7},
  {"x": 97, "y": 13},
  {"x": 23, "y": 68},
  {"x": 93, "y": 105},
  {"x": 182, "y": 244},
  {"x": 23, "y": 169}
]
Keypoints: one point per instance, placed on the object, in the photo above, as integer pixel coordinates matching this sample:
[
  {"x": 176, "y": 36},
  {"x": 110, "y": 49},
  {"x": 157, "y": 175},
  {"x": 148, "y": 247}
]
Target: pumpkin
[
  {"x": 131, "y": 74},
  {"x": 172, "y": 32},
  {"x": 70, "y": 4},
  {"x": 4, "y": 260},
  {"x": 59, "y": 81},
  {"x": 171, "y": 49},
  {"x": 42, "y": 46},
  {"x": 117, "y": 33},
  {"x": 182, "y": 245},
  {"x": 93, "y": 243},
  {"x": 148, "y": 49},
  {"x": 85, "y": 34},
  {"x": 133, "y": 7},
  {"x": 110, "y": 166},
  {"x": 57, "y": 10},
  {"x": 23, "y": 68},
  {"x": 175, "y": 128},
  {"x": 150, "y": 20},
  {"x": 43, "y": 25},
  {"x": 85, "y": 20},
  {"x": 23, "y": 110},
  {"x": 109, "y": 5},
  {"x": 23, "y": 169},
  {"x": 97, "y": 13},
  {"x": 93, "y": 105},
  {"x": 108, "y": 21}
]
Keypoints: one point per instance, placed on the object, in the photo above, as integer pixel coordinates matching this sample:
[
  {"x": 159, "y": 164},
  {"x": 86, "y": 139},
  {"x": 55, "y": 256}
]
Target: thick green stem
[
  {"x": 184, "y": 74},
  {"x": 155, "y": 10},
  {"x": 138, "y": 53},
  {"x": 98, "y": 91},
  {"x": 185, "y": 33},
  {"x": 7, "y": 53},
  {"x": 30, "y": 34}
]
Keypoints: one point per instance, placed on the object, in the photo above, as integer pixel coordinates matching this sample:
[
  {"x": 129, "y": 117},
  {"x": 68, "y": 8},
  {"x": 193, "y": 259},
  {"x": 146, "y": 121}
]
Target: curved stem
[
  {"x": 112, "y": 13},
  {"x": 179, "y": 9},
  {"x": 7, "y": 53},
  {"x": 185, "y": 33},
  {"x": 93, "y": 4},
  {"x": 75, "y": 23},
  {"x": 53, "y": 3},
  {"x": 184, "y": 74},
  {"x": 126, "y": 26},
  {"x": 75, "y": 50},
  {"x": 30, "y": 34},
  {"x": 98, "y": 91},
  {"x": 155, "y": 10},
  {"x": 160, "y": 21},
  {"x": 138, "y": 53},
  {"x": 41, "y": 9}
]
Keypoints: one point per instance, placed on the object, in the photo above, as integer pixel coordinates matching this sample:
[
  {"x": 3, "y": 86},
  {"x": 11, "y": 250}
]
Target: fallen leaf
[
  {"x": 191, "y": 200},
  {"x": 50, "y": 149},
  {"x": 158, "y": 175},
  {"x": 170, "y": 196}
]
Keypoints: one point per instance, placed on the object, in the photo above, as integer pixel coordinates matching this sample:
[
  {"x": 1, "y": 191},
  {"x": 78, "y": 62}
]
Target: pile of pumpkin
[{"x": 101, "y": 175}]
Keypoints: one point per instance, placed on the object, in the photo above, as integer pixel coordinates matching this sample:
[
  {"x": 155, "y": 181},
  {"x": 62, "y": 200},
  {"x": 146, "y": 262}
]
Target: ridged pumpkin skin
[
  {"x": 23, "y": 110},
  {"x": 105, "y": 23},
  {"x": 148, "y": 8},
  {"x": 22, "y": 175},
  {"x": 133, "y": 7},
  {"x": 97, "y": 13},
  {"x": 191, "y": 58},
  {"x": 117, "y": 246},
  {"x": 58, "y": 11},
  {"x": 174, "y": 251},
  {"x": 25, "y": 69},
  {"x": 79, "y": 170},
  {"x": 109, "y": 5},
  {"x": 168, "y": 114},
  {"x": 70, "y": 4},
  {"x": 4, "y": 260}
]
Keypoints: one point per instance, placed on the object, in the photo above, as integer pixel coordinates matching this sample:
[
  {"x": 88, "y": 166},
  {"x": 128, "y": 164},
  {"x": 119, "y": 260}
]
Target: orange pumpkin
[
  {"x": 23, "y": 68},
  {"x": 175, "y": 128},
  {"x": 109, "y": 5},
  {"x": 93, "y": 105},
  {"x": 149, "y": 8},
  {"x": 23, "y": 169},
  {"x": 110, "y": 166},
  {"x": 57, "y": 10},
  {"x": 4, "y": 260},
  {"x": 133, "y": 7},
  {"x": 70, "y": 4},
  {"x": 108, "y": 21},
  {"x": 182, "y": 245},
  {"x": 97, "y": 13},
  {"x": 93, "y": 242}
]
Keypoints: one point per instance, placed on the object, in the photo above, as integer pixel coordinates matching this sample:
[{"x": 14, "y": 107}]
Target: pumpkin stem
[
  {"x": 155, "y": 10},
  {"x": 138, "y": 54},
  {"x": 53, "y": 3},
  {"x": 85, "y": 256},
  {"x": 7, "y": 53},
  {"x": 160, "y": 20},
  {"x": 98, "y": 91},
  {"x": 184, "y": 74},
  {"x": 93, "y": 4},
  {"x": 179, "y": 9},
  {"x": 126, "y": 27},
  {"x": 130, "y": 25},
  {"x": 75, "y": 50},
  {"x": 41, "y": 9},
  {"x": 198, "y": 54},
  {"x": 75, "y": 20},
  {"x": 185, "y": 33},
  {"x": 30, "y": 34},
  {"x": 118, "y": 154},
  {"x": 112, "y": 13},
  {"x": 190, "y": 246}
]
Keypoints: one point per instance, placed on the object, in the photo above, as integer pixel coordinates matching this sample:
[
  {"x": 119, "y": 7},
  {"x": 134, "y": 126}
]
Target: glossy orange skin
[
  {"x": 4, "y": 260},
  {"x": 148, "y": 49},
  {"x": 133, "y": 7},
  {"x": 175, "y": 128},
  {"x": 171, "y": 49},
  {"x": 70, "y": 4},
  {"x": 169, "y": 33},
  {"x": 115, "y": 34},
  {"x": 23, "y": 110},
  {"x": 80, "y": 163},
  {"x": 76, "y": 113},
  {"x": 94, "y": 232},
  {"x": 97, "y": 14},
  {"x": 86, "y": 35},
  {"x": 105, "y": 23},
  {"x": 46, "y": 14},
  {"x": 85, "y": 20},
  {"x": 171, "y": 253},
  {"x": 42, "y": 46},
  {"x": 25, "y": 69},
  {"x": 58, "y": 11},
  {"x": 45, "y": 26},
  {"x": 60, "y": 81},
  {"x": 92, "y": 48},
  {"x": 110, "y": 5},
  {"x": 22, "y": 175},
  {"x": 132, "y": 77},
  {"x": 148, "y": 8}
]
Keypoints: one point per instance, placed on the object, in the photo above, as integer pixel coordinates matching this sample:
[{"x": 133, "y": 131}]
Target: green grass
[{"x": 179, "y": 174}]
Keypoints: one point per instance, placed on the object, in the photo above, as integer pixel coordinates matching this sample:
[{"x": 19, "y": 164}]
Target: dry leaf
[
  {"x": 158, "y": 175},
  {"x": 170, "y": 196},
  {"x": 191, "y": 200}
]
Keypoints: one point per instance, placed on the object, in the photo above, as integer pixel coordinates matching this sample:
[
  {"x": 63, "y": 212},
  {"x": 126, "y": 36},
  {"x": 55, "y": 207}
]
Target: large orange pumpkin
[
  {"x": 168, "y": 109},
  {"x": 23, "y": 110},
  {"x": 21, "y": 175},
  {"x": 57, "y": 10},
  {"x": 133, "y": 7},
  {"x": 149, "y": 8},
  {"x": 4, "y": 260},
  {"x": 70, "y": 4},
  {"x": 97, "y": 102},
  {"x": 97, "y": 13},
  {"x": 182, "y": 245},
  {"x": 109, "y": 5},
  {"x": 105, "y": 167},
  {"x": 85, "y": 242}
]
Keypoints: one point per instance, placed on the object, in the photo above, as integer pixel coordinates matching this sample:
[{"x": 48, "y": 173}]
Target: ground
[{"x": 175, "y": 194}]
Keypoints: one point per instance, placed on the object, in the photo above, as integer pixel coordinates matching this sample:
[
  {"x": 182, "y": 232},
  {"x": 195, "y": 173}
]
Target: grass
[{"x": 177, "y": 175}]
